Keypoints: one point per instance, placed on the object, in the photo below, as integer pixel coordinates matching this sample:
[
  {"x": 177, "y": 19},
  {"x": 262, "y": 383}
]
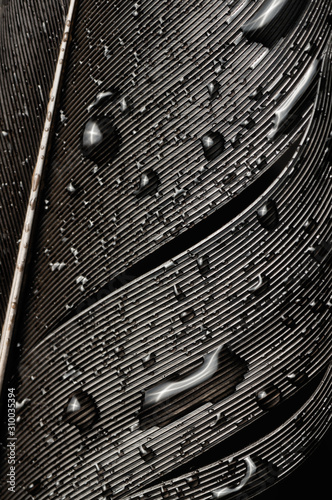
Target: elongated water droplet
[
  {"x": 215, "y": 378},
  {"x": 297, "y": 378},
  {"x": 103, "y": 97},
  {"x": 282, "y": 114},
  {"x": 213, "y": 89},
  {"x": 273, "y": 20},
  {"x": 268, "y": 216},
  {"x": 250, "y": 471},
  {"x": 203, "y": 265}
]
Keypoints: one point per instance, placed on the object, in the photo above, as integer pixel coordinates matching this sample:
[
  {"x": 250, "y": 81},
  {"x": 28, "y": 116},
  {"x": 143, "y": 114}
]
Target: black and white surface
[{"x": 179, "y": 288}]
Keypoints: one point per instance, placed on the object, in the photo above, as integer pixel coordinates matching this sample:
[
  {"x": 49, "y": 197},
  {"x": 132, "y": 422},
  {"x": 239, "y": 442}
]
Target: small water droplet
[
  {"x": 288, "y": 321},
  {"x": 213, "y": 145},
  {"x": 178, "y": 293},
  {"x": 164, "y": 492},
  {"x": 103, "y": 97},
  {"x": 120, "y": 351},
  {"x": 149, "y": 360},
  {"x": 203, "y": 265},
  {"x": 261, "y": 286},
  {"x": 257, "y": 93},
  {"x": 81, "y": 411},
  {"x": 72, "y": 188},
  {"x": 297, "y": 378},
  {"x": 100, "y": 139},
  {"x": 310, "y": 225},
  {"x": 34, "y": 488},
  {"x": 146, "y": 453},
  {"x": 213, "y": 89},
  {"x": 268, "y": 216},
  {"x": 187, "y": 315},
  {"x": 148, "y": 184},
  {"x": 269, "y": 397},
  {"x": 248, "y": 123},
  {"x": 126, "y": 105},
  {"x": 193, "y": 481}
]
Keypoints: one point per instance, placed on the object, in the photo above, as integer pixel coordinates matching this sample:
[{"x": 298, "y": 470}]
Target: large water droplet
[
  {"x": 213, "y": 145},
  {"x": 268, "y": 216},
  {"x": 81, "y": 411},
  {"x": 273, "y": 20},
  {"x": 215, "y": 378},
  {"x": 269, "y": 397},
  {"x": 100, "y": 140}
]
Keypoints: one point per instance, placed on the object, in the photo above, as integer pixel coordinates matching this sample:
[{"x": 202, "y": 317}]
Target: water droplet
[
  {"x": 178, "y": 292},
  {"x": 225, "y": 491},
  {"x": 187, "y": 315},
  {"x": 81, "y": 411},
  {"x": 321, "y": 251},
  {"x": 269, "y": 397},
  {"x": 248, "y": 123},
  {"x": 72, "y": 188},
  {"x": 288, "y": 321},
  {"x": 297, "y": 378},
  {"x": 310, "y": 225},
  {"x": 203, "y": 265},
  {"x": 213, "y": 89},
  {"x": 214, "y": 378},
  {"x": 120, "y": 351},
  {"x": 282, "y": 115},
  {"x": 213, "y": 145},
  {"x": 34, "y": 488},
  {"x": 126, "y": 105},
  {"x": 103, "y": 97},
  {"x": 149, "y": 360},
  {"x": 236, "y": 140},
  {"x": 164, "y": 492},
  {"x": 257, "y": 93},
  {"x": 100, "y": 139},
  {"x": 268, "y": 216},
  {"x": 272, "y": 21},
  {"x": 148, "y": 184},
  {"x": 193, "y": 481},
  {"x": 261, "y": 286},
  {"x": 146, "y": 453}
]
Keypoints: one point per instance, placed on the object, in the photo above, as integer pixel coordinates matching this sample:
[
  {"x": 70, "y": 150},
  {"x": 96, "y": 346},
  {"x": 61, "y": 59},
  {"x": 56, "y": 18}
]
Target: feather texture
[{"x": 181, "y": 221}]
